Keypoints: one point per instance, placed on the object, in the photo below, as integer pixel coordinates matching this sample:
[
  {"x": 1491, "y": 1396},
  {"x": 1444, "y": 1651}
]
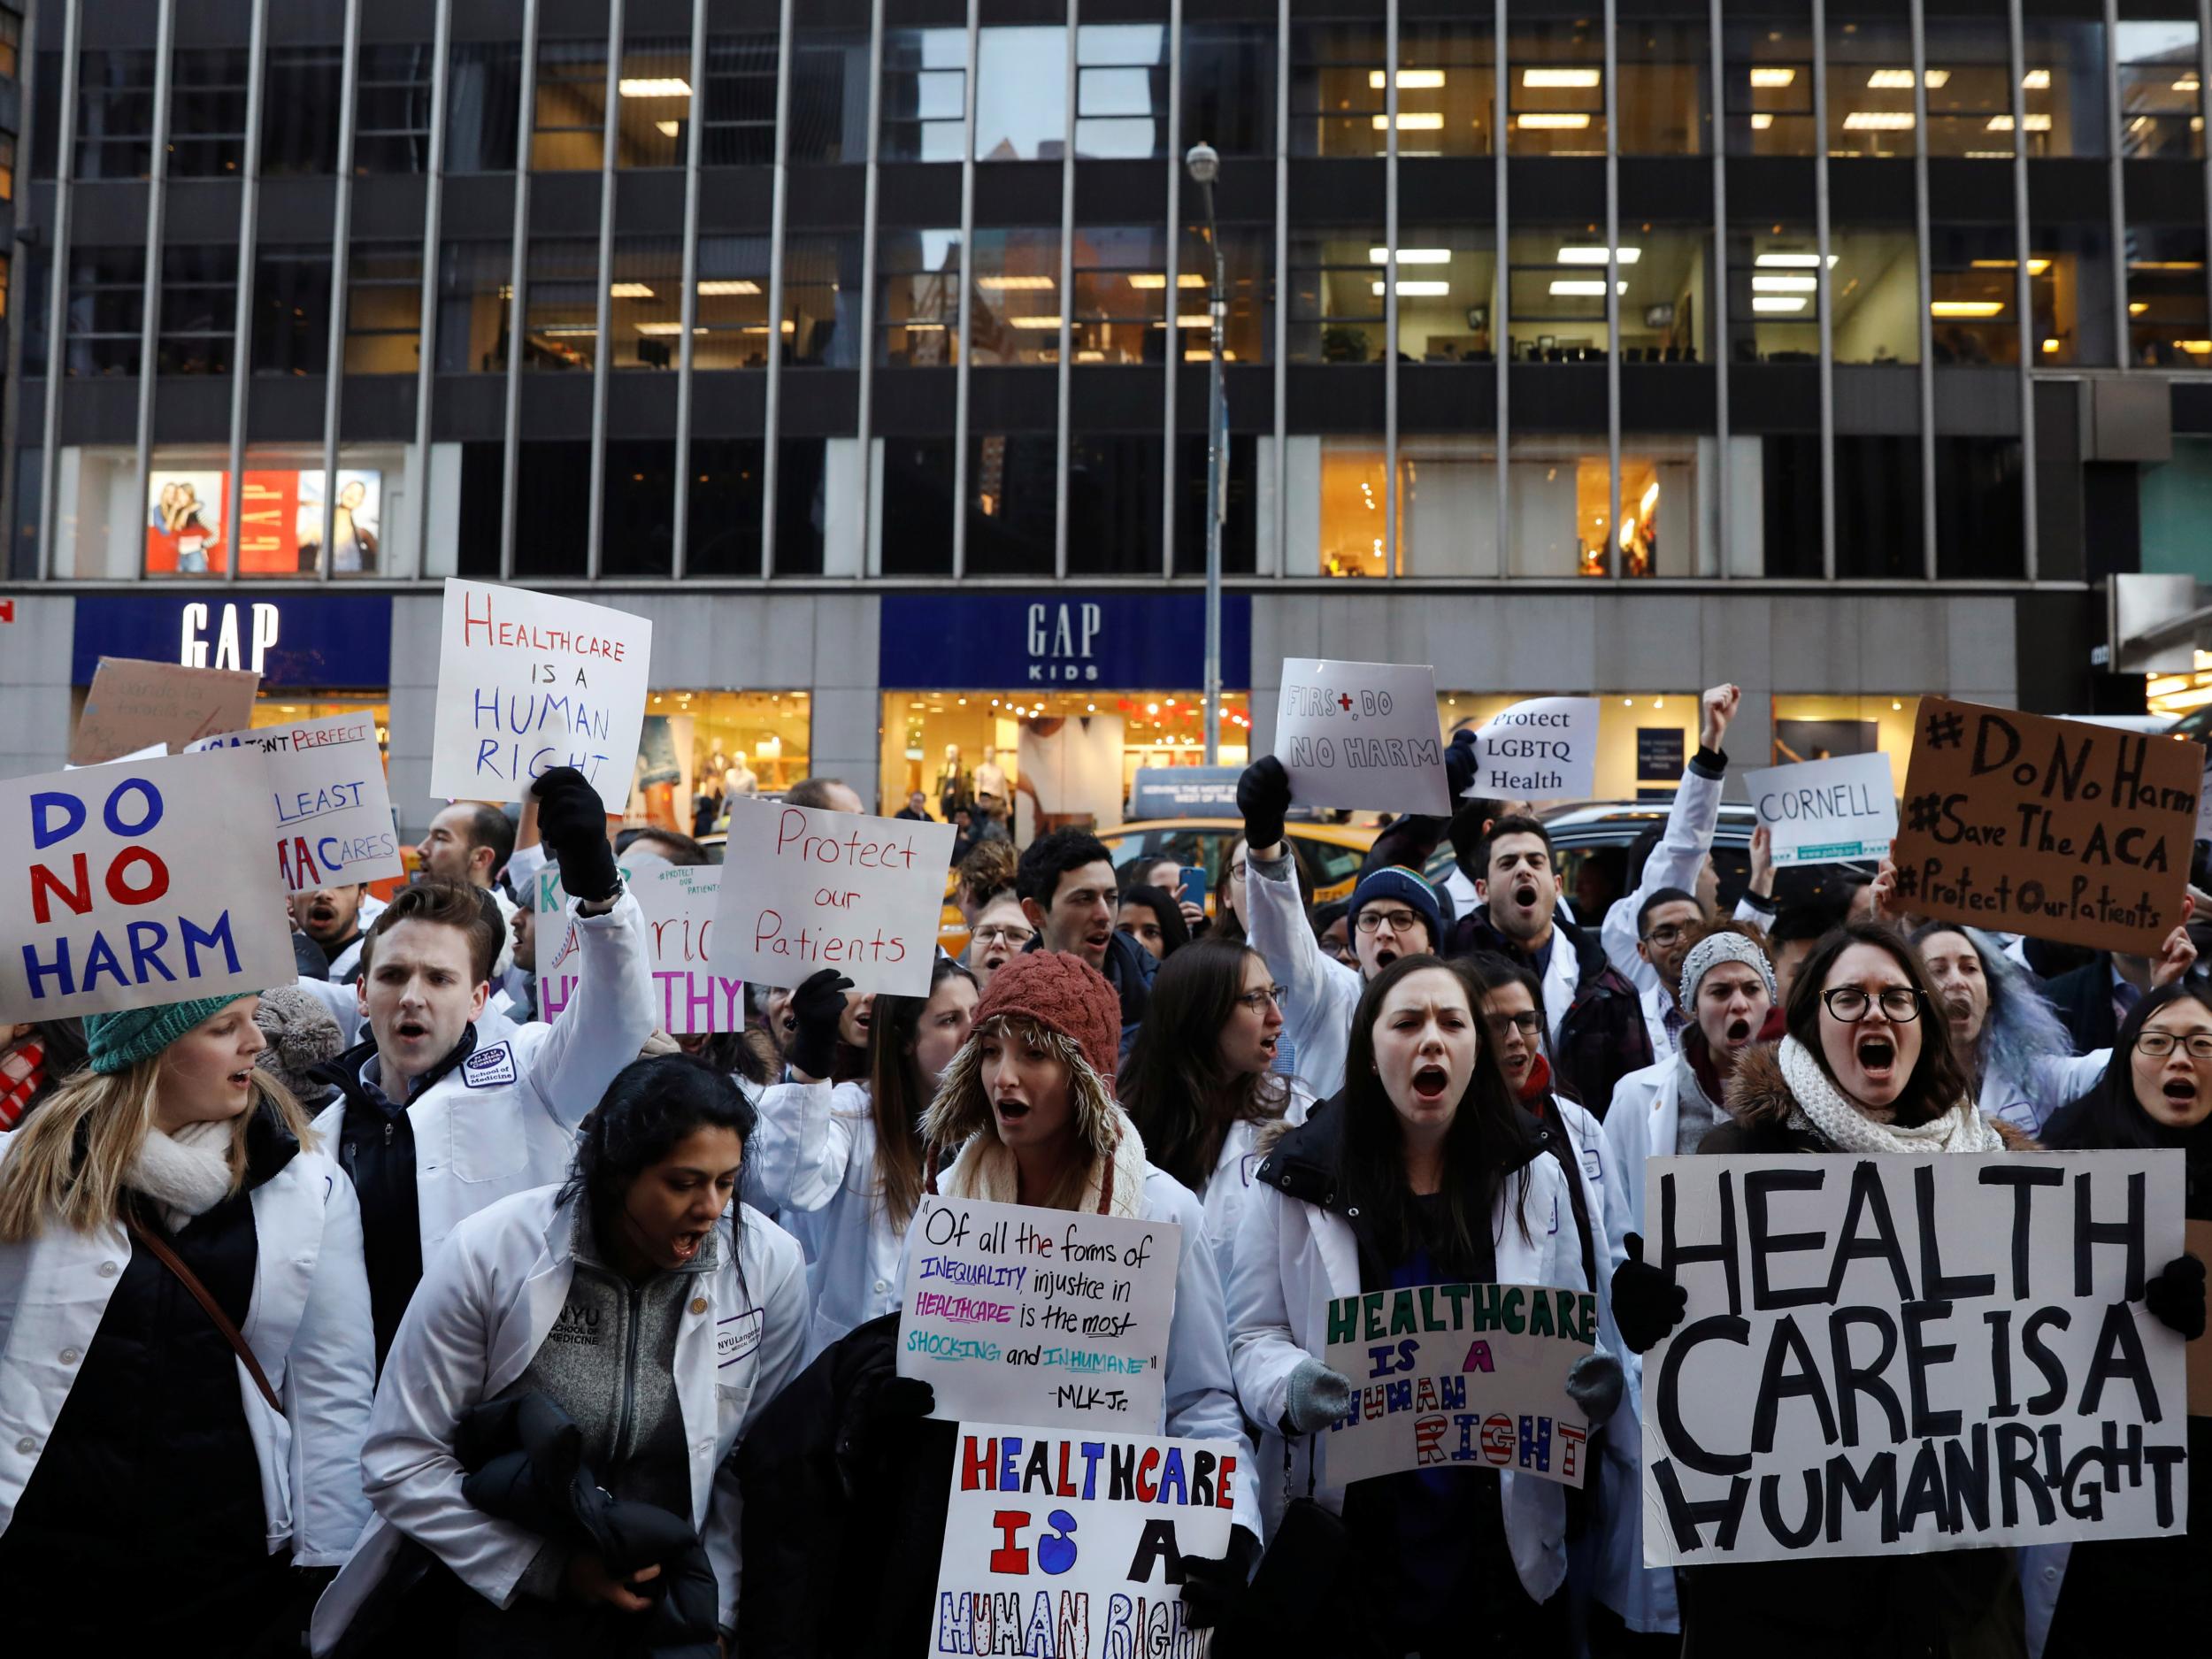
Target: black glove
[
  {"x": 573, "y": 823},
  {"x": 1213, "y": 1585},
  {"x": 1264, "y": 797},
  {"x": 1459, "y": 763},
  {"x": 2176, "y": 1297},
  {"x": 878, "y": 1403},
  {"x": 817, "y": 1007},
  {"x": 1647, "y": 1301}
]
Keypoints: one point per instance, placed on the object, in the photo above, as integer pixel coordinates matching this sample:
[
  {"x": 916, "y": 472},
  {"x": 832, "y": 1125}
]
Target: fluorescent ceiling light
[
  {"x": 1778, "y": 303},
  {"x": 1966, "y": 308},
  {"x": 2036, "y": 123},
  {"x": 665, "y": 328},
  {"x": 2188, "y": 83},
  {"x": 2135, "y": 308},
  {"x": 2037, "y": 80},
  {"x": 1196, "y": 354},
  {"x": 1793, "y": 261},
  {"x": 1581, "y": 288},
  {"x": 1413, "y": 121},
  {"x": 2036, "y": 267},
  {"x": 1409, "y": 80},
  {"x": 1016, "y": 284},
  {"x": 630, "y": 291},
  {"x": 1901, "y": 80},
  {"x": 1879, "y": 121},
  {"x": 1417, "y": 290},
  {"x": 2197, "y": 347},
  {"x": 1155, "y": 282},
  {"x": 1196, "y": 319},
  {"x": 1552, "y": 123},
  {"x": 1410, "y": 256},
  {"x": 717, "y": 288},
  {"x": 668, "y": 129},
  {"x": 1760, "y": 121},
  {"x": 654, "y": 86},
  {"x": 1596, "y": 255},
  {"x": 2163, "y": 264},
  {"x": 1560, "y": 79},
  {"x": 1033, "y": 322},
  {"x": 1772, "y": 75},
  {"x": 1785, "y": 284}
]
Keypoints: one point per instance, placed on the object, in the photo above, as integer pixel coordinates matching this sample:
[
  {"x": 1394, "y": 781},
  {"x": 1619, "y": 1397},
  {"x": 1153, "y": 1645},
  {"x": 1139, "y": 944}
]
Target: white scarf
[
  {"x": 1829, "y": 1112},
  {"x": 185, "y": 1171},
  {"x": 985, "y": 1169}
]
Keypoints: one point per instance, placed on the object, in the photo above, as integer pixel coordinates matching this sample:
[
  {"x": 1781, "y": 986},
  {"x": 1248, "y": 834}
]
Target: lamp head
[{"x": 1204, "y": 162}]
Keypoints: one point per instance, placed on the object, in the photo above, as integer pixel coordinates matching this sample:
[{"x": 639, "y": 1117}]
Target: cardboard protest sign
[
  {"x": 1074, "y": 1547},
  {"x": 678, "y": 904},
  {"x": 1362, "y": 735},
  {"x": 824, "y": 889},
  {"x": 528, "y": 681},
  {"x": 1543, "y": 749},
  {"x": 333, "y": 816},
  {"x": 2204, "y": 801},
  {"x": 124, "y": 885},
  {"x": 1937, "y": 1353},
  {"x": 2053, "y": 828},
  {"x": 135, "y": 704},
  {"x": 2200, "y": 1352},
  {"x": 1016, "y": 1315},
  {"x": 1822, "y": 811},
  {"x": 1460, "y": 1376}
]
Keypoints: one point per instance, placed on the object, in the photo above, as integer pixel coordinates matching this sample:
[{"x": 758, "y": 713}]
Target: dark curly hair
[{"x": 651, "y": 1105}]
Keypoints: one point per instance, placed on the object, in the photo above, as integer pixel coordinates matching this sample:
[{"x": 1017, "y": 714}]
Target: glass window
[
  {"x": 1980, "y": 517},
  {"x": 1121, "y": 90},
  {"x": 1445, "y": 92},
  {"x": 2070, "y": 276},
  {"x": 1350, "y": 476},
  {"x": 1240, "y": 528},
  {"x": 1665, "y": 64},
  {"x": 917, "y": 474},
  {"x": 291, "y": 309},
  {"x": 1870, "y": 88},
  {"x": 1015, "y": 315},
  {"x": 1972, "y": 294},
  {"x": 1021, "y": 104},
  {"x": 300, "y": 109},
  {"x": 483, "y": 105},
  {"x": 804, "y": 488},
  {"x": 1114, "y": 485},
  {"x": 1659, "y": 534},
  {"x": 2167, "y": 325},
  {"x": 384, "y": 309},
  {"x": 391, "y": 110},
  {"x": 1229, "y": 87},
  {"x": 1336, "y": 300},
  {"x": 560, "y": 318},
  {"x": 1448, "y": 499},
  {"x": 10, "y": 43},
  {"x": 637, "y": 503},
  {"x": 918, "y": 312},
  {"x": 925, "y": 94},
  {"x": 199, "y": 309},
  {"x": 7, "y": 166},
  {"x": 1248, "y": 259},
  {"x": 1555, "y": 293},
  {"x": 1969, "y": 88},
  {"x": 475, "y": 295},
  {"x": 1876, "y": 287},
  {"x": 1786, "y": 468},
  {"x": 740, "y": 111},
  {"x": 1774, "y": 294},
  {"x": 107, "y": 310},
  {"x": 733, "y": 304},
  {"x": 1121, "y": 296},
  {"x": 821, "y": 302},
  {"x": 1011, "y": 504},
  {"x": 1560, "y": 497},
  {"x": 653, "y": 112},
  {"x": 1447, "y": 287},
  {"x": 207, "y": 112},
  {"x": 2064, "y": 87},
  {"x": 115, "y": 113},
  {"x": 1338, "y": 95},
  {"x": 1768, "y": 68},
  {"x": 829, "y": 96},
  {"x": 724, "y": 522},
  {"x": 38, "y": 275},
  {"x": 1878, "y": 506},
  {"x": 569, "y": 119},
  {"x": 2161, "y": 91},
  {"x": 744, "y": 740},
  {"x": 1556, "y": 93},
  {"x": 552, "y": 505},
  {"x": 1665, "y": 298},
  {"x": 645, "y": 302}
]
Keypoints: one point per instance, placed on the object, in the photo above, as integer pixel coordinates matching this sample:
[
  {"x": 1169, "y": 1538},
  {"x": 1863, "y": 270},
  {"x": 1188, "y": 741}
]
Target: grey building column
[
  {"x": 1392, "y": 507},
  {"x": 341, "y": 250},
  {"x": 249, "y": 231},
  {"x": 1719, "y": 266},
  {"x": 1925, "y": 323},
  {"x": 156, "y": 207},
  {"x": 602, "y": 314},
  {"x": 58, "y": 295},
  {"x": 965, "y": 316},
  {"x": 510, "y": 462},
  {"x": 687, "y": 312},
  {"x": 1614, "y": 563},
  {"x": 1826, "y": 294},
  {"x": 427, "y": 328},
  {"x": 2022, "y": 286},
  {"x": 778, "y": 209}
]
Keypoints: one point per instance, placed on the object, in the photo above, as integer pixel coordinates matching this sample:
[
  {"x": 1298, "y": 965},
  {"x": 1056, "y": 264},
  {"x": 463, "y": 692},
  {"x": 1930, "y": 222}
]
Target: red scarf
[
  {"x": 22, "y": 1069},
  {"x": 1537, "y": 1084}
]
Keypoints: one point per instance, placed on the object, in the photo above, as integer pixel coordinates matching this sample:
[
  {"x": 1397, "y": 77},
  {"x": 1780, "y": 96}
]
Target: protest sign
[
  {"x": 2057, "y": 829},
  {"x": 678, "y": 904},
  {"x": 1362, "y": 735},
  {"x": 2204, "y": 802},
  {"x": 2200, "y": 1352},
  {"x": 1460, "y": 1376},
  {"x": 1940, "y": 1353},
  {"x": 333, "y": 817},
  {"x": 152, "y": 751},
  {"x": 124, "y": 886},
  {"x": 528, "y": 681},
  {"x": 135, "y": 704},
  {"x": 1543, "y": 749},
  {"x": 1017, "y": 1315},
  {"x": 1074, "y": 1547},
  {"x": 1822, "y": 811},
  {"x": 838, "y": 890}
]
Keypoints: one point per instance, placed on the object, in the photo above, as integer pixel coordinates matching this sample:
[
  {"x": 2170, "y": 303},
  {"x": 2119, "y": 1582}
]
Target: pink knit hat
[{"x": 1064, "y": 995}]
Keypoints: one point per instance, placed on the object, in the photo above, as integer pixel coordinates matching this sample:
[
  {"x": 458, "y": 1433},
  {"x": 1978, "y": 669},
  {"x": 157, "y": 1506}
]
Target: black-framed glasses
[
  {"x": 1371, "y": 920},
  {"x": 1257, "y": 1001},
  {"x": 1528, "y": 1024},
  {"x": 1666, "y": 934},
  {"x": 1850, "y": 1004},
  {"x": 999, "y": 933},
  {"x": 2158, "y": 1045}
]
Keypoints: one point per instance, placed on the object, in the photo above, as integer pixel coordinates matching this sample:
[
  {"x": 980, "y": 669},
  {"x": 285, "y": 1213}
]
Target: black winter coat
[{"x": 1604, "y": 1038}]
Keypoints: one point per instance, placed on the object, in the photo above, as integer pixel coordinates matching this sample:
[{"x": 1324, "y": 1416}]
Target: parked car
[{"x": 1327, "y": 855}]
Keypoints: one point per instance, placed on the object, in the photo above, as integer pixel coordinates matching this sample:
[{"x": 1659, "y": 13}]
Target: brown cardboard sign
[
  {"x": 2055, "y": 828},
  {"x": 134, "y": 704}
]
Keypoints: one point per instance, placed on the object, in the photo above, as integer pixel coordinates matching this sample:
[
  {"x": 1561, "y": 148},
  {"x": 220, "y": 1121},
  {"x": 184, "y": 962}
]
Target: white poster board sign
[
  {"x": 813, "y": 889},
  {"x": 528, "y": 681},
  {"x": 1460, "y": 1376},
  {"x": 1543, "y": 749},
  {"x": 333, "y": 816},
  {"x": 1017, "y": 1315},
  {"x": 1074, "y": 1547},
  {"x": 1888, "y": 1354},
  {"x": 124, "y": 885},
  {"x": 1362, "y": 735},
  {"x": 679, "y": 903},
  {"x": 1821, "y": 811}
]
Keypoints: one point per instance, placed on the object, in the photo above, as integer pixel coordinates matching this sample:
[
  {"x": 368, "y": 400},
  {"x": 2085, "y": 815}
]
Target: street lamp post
[{"x": 1204, "y": 163}]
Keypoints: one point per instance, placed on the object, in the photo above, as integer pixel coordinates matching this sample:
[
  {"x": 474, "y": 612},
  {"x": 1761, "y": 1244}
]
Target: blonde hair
[{"x": 70, "y": 1161}]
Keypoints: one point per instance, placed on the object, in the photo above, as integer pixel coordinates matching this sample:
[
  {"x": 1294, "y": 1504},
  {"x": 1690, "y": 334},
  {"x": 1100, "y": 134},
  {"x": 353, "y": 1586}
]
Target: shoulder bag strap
[{"x": 190, "y": 1280}]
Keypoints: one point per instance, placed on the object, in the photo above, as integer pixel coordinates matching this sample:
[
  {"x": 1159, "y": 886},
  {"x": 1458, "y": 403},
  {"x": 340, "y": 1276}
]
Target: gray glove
[
  {"x": 1317, "y": 1397},
  {"x": 1594, "y": 1383}
]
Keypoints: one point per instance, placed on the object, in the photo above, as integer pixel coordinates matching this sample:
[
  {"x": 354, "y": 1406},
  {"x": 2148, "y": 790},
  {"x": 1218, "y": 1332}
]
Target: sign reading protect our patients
[
  {"x": 1543, "y": 749},
  {"x": 528, "y": 681},
  {"x": 1362, "y": 735},
  {"x": 1824, "y": 811},
  {"x": 333, "y": 817}
]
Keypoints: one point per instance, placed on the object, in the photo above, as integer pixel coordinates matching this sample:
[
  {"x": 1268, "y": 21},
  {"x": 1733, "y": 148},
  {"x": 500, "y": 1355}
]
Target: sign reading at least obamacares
[
  {"x": 1821, "y": 811},
  {"x": 1073, "y": 1546},
  {"x": 823, "y": 889},
  {"x": 1543, "y": 749},
  {"x": 1362, "y": 735},
  {"x": 528, "y": 681},
  {"x": 1940, "y": 1353},
  {"x": 333, "y": 817},
  {"x": 679, "y": 903},
  {"x": 124, "y": 886},
  {"x": 1460, "y": 1376},
  {"x": 135, "y": 704},
  {"x": 2057, "y": 829},
  {"x": 1018, "y": 1315}
]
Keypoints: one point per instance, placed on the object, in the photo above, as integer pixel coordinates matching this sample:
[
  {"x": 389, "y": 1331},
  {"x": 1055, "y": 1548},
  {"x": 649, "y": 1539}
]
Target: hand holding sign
[{"x": 1362, "y": 735}]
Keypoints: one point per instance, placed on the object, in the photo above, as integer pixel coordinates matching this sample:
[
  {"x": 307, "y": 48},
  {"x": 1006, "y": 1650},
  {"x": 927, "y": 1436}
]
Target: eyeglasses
[
  {"x": 1236, "y": 873},
  {"x": 1665, "y": 933},
  {"x": 1371, "y": 921},
  {"x": 2159, "y": 1044},
  {"x": 1528, "y": 1024},
  {"x": 1005, "y": 935},
  {"x": 1850, "y": 1005},
  {"x": 1258, "y": 1001}
]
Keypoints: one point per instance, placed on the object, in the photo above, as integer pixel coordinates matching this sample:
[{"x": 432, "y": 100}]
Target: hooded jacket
[{"x": 1599, "y": 1037}]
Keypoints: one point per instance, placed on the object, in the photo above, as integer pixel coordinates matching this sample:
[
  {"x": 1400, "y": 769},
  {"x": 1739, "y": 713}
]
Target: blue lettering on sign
[
  {"x": 1139, "y": 640},
  {"x": 325, "y": 640}
]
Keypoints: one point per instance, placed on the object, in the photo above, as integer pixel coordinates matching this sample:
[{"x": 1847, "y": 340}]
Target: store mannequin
[
  {"x": 952, "y": 784},
  {"x": 740, "y": 779},
  {"x": 990, "y": 781}
]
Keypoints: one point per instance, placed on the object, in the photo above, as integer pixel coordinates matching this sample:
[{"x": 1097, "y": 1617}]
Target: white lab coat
[
  {"x": 1323, "y": 992},
  {"x": 504, "y": 1120},
  {"x": 2059, "y": 1081},
  {"x": 1665, "y": 1044},
  {"x": 1292, "y": 1258},
  {"x": 479, "y": 1319},
  {"x": 307, "y": 1323},
  {"x": 1676, "y": 861},
  {"x": 1223, "y": 1196}
]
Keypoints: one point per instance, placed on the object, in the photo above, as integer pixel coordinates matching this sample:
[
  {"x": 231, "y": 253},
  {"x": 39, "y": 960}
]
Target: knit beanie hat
[
  {"x": 301, "y": 1034},
  {"x": 117, "y": 1041},
  {"x": 1714, "y": 948},
  {"x": 1393, "y": 882},
  {"x": 1064, "y": 995}
]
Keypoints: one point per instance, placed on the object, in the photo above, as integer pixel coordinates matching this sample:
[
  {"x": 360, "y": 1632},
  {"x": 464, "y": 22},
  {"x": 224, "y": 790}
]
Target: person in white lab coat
[
  {"x": 157, "y": 1486},
  {"x": 653, "y": 1311}
]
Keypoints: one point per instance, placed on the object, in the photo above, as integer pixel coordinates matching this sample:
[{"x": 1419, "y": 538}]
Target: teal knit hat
[{"x": 117, "y": 1041}]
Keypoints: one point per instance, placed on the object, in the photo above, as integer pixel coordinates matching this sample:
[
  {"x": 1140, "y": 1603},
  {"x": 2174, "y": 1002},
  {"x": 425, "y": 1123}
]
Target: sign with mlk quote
[
  {"x": 1896, "y": 1353},
  {"x": 2057, "y": 829},
  {"x": 1362, "y": 735}
]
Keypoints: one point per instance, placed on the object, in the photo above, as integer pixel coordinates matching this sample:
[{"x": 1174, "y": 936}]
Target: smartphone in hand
[{"x": 1190, "y": 885}]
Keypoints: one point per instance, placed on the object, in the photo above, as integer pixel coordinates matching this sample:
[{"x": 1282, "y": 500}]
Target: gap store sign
[
  {"x": 1059, "y": 641},
  {"x": 330, "y": 642}
]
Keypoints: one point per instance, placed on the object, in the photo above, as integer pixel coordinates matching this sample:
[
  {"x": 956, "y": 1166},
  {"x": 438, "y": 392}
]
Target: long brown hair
[
  {"x": 898, "y": 1093},
  {"x": 1173, "y": 1084}
]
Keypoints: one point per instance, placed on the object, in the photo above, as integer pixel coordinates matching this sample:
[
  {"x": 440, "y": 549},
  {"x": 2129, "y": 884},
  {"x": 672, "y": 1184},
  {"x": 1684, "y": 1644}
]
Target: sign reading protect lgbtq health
[
  {"x": 821, "y": 890},
  {"x": 679, "y": 903},
  {"x": 528, "y": 681},
  {"x": 1073, "y": 1546},
  {"x": 1887, "y": 1353},
  {"x": 1460, "y": 1376},
  {"x": 1362, "y": 735},
  {"x": 1543, "y": 749},
  {"x": 134, "y": 704},
  {"x": 123, "y": 886},
  {"x": 1821, "y": 811},
  {"x": 1016, "y": 1315},
  {"x": 2058, "y": 829},
  {"x": 333, "y": 817}
]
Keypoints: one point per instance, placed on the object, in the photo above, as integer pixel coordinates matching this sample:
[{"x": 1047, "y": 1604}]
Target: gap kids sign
[{"x": 1073, "y": 641}]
